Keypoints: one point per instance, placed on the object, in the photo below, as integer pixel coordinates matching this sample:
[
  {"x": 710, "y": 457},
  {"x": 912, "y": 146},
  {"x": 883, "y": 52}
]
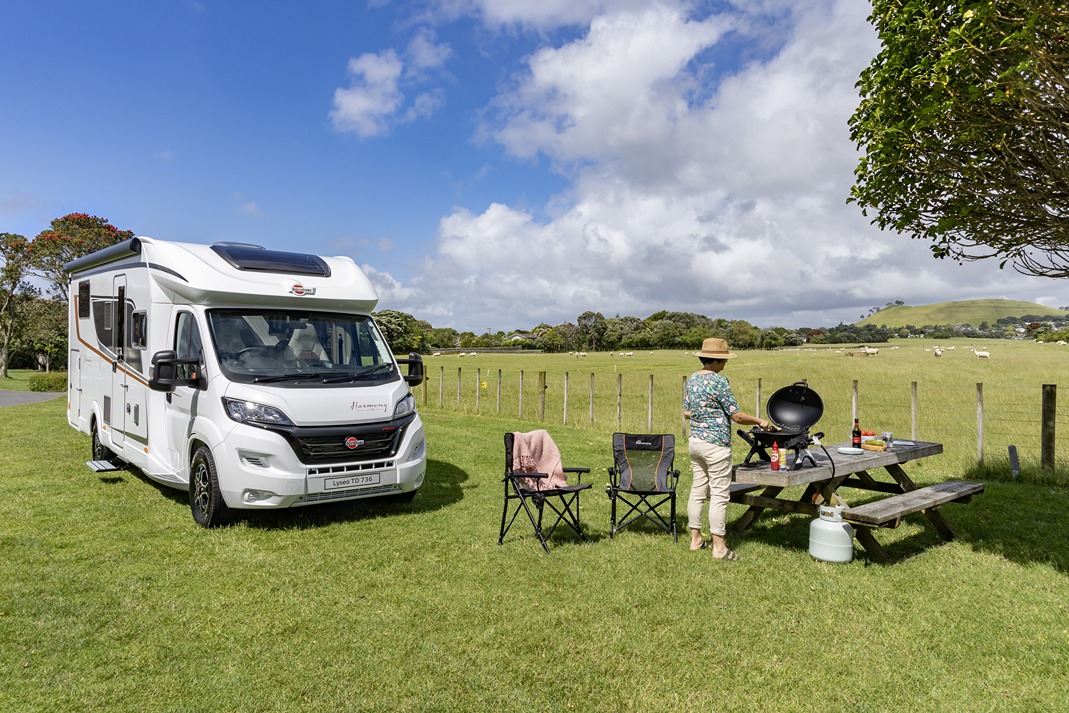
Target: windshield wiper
[
  {"x": 287, "y": 377},
  {"x": 359, "y": 374}
]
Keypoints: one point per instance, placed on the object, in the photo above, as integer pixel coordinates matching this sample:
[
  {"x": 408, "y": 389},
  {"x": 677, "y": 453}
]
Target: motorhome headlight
[
  {"x": 405, "y": 406},
  {"x": 252, "y": 412}
]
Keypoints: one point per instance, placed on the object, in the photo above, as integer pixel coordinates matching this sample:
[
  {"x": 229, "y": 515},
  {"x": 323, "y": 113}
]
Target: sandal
[
  {"x": 700, "y": 547},
  {"x": 730, "y": 556}
]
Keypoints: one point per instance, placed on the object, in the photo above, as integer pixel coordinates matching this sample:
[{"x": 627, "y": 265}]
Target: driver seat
[{"x": 305, "y": 344}]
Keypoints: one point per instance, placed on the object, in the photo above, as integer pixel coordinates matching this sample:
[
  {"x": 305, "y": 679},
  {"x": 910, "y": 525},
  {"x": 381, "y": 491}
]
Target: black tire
[
  {"x": 205, "y": 501},
  {"x": 99, "y": 450}
]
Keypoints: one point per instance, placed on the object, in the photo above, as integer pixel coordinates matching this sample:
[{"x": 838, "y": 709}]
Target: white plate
[{"x": 847, "y": 451}]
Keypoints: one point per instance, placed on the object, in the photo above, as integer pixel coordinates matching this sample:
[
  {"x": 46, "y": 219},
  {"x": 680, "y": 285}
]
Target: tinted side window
[{"x": 187, "y": 344}]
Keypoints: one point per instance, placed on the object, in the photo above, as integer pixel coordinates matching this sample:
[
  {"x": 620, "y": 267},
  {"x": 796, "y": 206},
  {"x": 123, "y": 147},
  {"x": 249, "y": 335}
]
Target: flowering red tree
[{"x": 67, "y": 238}]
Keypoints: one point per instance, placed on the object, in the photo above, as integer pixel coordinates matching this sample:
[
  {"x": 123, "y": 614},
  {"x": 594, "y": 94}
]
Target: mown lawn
[{"x": 113, "y": 599}]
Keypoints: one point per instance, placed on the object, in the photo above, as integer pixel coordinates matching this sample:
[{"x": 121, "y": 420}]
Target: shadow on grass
[
  {"x": 1018, "y": 522},
  {"x": 441, "y": 488}
]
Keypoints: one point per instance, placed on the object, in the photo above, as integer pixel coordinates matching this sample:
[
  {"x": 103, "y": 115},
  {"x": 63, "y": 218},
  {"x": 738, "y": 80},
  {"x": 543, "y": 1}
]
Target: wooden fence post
[
  {"x": 458, "y": 387},
  {"x": 565, "y": 398},
  {"x": 649, "y": 414},
  {"x": 757, "y": 408},
  {"x": 441, "y": 384},
  {"x": 478, "y": 389},
  {"x": 980, "y": 423},
  {"x": 425, "y": 391},
  {"x": 913, "y": 410},
  {"x": 1046, "y": 447},
  {"x": 498, "y": 392},
  {"x": 619, "y": 401},
  {"x": 591, "y": 398},
  {"x": 542, "y": 396},
  {"x": 853, "y": 403},
  {"x": 683, "y": 396},
  {"x": 521, "y": 393}
]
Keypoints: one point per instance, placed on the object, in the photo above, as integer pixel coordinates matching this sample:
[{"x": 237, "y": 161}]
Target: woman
[{"x": 710, "y": 406}]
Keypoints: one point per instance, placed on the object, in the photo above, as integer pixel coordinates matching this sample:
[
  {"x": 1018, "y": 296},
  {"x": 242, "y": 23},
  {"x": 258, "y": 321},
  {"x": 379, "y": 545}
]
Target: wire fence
[{"x": 975, "y": 422}]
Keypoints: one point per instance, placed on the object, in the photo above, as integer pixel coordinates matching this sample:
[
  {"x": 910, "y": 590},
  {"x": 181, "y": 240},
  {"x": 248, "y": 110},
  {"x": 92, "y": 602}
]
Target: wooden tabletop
[{"x": 759, "y": 473}]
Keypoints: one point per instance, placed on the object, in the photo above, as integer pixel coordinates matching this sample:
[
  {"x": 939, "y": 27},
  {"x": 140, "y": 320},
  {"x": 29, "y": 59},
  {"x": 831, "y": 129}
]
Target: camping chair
[
  {"x": 538, "y": 481},
  {"x": 643, "y": 479}
]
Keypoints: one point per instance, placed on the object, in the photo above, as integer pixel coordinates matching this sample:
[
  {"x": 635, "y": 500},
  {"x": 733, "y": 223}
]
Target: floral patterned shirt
[{"x": 711, "y": 404}]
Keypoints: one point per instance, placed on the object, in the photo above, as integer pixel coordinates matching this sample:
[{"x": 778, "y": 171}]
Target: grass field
[
  {"x": 947, "y": 393},
  {"x": 112, "y": 599}
]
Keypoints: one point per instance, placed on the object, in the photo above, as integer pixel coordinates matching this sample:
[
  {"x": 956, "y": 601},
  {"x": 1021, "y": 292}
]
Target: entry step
[{"x": 103, "y": 466}]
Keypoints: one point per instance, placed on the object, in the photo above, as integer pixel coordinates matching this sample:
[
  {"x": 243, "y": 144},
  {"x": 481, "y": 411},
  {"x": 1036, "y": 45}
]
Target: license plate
[{"x": 351, "y": 481}]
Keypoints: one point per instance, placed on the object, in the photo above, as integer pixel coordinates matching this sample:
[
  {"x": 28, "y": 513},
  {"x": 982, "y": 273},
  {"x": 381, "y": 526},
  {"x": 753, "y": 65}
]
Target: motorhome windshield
[{"x": 299, "y": 348}]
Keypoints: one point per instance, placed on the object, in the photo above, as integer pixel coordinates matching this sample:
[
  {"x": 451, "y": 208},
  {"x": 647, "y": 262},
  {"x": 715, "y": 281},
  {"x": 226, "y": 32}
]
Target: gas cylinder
[{"x": 831, "y": 539}]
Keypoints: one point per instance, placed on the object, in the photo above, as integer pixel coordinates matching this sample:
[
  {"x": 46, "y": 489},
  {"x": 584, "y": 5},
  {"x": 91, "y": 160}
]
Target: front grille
[
  {"x": 351, "y": 468},
  {"x": 346, "y": 494},
  {"x": 320, "y": 449},
  {"x": 320, "y": 445}
]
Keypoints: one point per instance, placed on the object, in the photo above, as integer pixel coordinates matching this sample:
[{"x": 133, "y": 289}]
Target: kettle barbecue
[{"x": 793, "y": 410}]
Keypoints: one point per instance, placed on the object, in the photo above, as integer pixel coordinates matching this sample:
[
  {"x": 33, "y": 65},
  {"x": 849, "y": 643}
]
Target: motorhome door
[{"x": 114, "y": 324}]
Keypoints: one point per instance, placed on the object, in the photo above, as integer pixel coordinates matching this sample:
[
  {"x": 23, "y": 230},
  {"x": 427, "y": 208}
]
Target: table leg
[
  {"x": 872, "y": 547},
  {"x": 754, "y": 511}
]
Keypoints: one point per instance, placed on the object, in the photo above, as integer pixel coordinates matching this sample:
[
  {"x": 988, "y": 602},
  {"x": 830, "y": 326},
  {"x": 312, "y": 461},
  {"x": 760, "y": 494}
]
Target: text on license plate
[{"x": 351, "y": 481}]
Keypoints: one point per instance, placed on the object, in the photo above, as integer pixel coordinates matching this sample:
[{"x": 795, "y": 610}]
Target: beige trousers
[{"x": 712, "y": 482}]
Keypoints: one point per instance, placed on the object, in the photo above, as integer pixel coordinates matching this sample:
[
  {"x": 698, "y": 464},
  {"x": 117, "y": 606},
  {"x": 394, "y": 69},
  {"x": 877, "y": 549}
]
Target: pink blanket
[{"x": 535, "y": 452}]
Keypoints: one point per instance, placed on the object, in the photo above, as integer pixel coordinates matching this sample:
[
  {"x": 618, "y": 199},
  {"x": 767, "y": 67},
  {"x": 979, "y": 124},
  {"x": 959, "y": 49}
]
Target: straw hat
[{"x": 713, "y": 348}]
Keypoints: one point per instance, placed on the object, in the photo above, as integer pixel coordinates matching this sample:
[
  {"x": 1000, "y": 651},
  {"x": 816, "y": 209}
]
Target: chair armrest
[
  {"x": 513, "y": 475},
  {"x": 577, "y": 471}
]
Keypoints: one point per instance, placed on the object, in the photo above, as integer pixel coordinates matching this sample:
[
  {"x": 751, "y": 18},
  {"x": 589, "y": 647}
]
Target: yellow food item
[{"x": 874, "y": 446}]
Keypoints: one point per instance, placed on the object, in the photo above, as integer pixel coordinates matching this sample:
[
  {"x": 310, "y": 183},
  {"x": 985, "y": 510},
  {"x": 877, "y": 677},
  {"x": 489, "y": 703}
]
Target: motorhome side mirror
[
  {"x": 414, "y": 377},
  {"x": 165, "y": 372}
]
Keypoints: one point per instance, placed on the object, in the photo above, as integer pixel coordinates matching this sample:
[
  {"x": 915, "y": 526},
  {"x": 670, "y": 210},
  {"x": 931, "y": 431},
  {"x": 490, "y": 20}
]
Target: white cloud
[
  {"x": 690, "y": 188},
  {"x": 374, "y": 101},
  {"x": 372, "y": 97},
  {"x": 250, "y": 208}
]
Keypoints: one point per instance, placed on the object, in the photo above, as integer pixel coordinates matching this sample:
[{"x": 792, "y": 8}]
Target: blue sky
[{"x": 493, "y": 164}]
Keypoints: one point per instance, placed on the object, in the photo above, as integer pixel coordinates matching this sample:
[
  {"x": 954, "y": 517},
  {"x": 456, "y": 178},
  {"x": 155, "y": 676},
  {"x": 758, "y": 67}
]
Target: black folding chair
[
  {"x": 523, "y": 488},
  {"x": 643, "y": 479}
]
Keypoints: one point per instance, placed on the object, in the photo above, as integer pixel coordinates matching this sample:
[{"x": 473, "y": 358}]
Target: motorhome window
[
  {"x": 254, "y": 344},
  {"x": 261, "y": 260},
  {"x": 83, "y": 299},
  {"x": 187, "y": 343},
  {"x": 138, "y": 330}
]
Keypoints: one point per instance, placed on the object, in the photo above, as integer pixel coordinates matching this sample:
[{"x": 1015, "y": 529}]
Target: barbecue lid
[{"x": 795, "y": 406}]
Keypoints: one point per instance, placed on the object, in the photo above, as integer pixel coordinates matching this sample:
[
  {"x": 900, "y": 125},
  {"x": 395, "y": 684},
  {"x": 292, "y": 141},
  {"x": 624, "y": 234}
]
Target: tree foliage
[
  {"x": 964, "y": 127},
  {"x": 66, "y": 239},
  {"x": 13, "y": 249}
]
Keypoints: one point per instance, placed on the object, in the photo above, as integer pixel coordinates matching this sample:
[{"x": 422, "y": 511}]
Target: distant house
[{"x": 519, "y": 337}]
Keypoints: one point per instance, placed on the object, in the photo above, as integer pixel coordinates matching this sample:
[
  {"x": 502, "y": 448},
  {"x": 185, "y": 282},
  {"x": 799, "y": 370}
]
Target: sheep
[
  {"x": 461, "y": 355},
  {"x": 982, "y": 354},
  {"x": 472, "y": 354},
  {"x": 437, "y": 354},
  {"x": 938, "y": 352}
]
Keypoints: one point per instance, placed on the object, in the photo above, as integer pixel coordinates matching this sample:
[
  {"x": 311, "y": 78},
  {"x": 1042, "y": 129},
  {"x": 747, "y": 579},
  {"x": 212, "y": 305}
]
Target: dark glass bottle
[{"x": 855, "y": 435}]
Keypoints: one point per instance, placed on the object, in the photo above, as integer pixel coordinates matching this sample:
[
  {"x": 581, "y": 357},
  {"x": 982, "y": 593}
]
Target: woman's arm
[{"x": 747, "y": 419}]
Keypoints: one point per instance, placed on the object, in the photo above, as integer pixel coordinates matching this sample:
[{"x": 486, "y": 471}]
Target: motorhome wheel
[
  {"x": 205, "y": 500},
  {"x": 100, "y": 451}
]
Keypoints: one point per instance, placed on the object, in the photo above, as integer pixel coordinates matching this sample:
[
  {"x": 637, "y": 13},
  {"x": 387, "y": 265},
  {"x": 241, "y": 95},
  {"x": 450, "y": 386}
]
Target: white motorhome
[{"x": 252, "y": 378}]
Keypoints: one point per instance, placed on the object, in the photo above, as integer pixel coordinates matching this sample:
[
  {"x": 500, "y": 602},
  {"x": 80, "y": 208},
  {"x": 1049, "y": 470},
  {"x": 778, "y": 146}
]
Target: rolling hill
[{"x": 972, "y": 312}]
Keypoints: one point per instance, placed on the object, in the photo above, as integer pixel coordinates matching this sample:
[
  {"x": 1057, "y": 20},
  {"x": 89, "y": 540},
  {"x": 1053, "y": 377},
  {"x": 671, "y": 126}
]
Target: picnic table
[{"x": 834, "y": 471}]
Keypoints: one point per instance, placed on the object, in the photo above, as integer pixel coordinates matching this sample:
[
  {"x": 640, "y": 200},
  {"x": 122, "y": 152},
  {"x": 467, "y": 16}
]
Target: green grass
[
  {"x": 973, "y": 312},
  {"x": 112, "y": 599},
  {"x": 17, "y": 380},
  {"x": 1012, "y": 382}
]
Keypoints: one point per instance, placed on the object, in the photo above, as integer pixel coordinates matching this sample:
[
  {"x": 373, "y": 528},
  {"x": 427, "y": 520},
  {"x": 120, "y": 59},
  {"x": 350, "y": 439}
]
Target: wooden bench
[
  {"x": 737, "y": 488},
  {"x": 889, "y": 512}
]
